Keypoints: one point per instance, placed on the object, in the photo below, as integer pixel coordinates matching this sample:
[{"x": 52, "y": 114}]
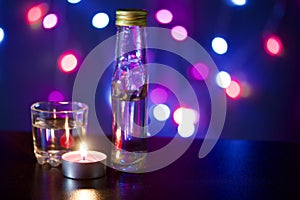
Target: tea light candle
[{"x": 83, "y": 164}]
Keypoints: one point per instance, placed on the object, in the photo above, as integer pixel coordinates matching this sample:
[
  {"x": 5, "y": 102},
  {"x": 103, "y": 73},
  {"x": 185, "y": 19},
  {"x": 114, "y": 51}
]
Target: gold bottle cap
[{"x": 131, "y": 17}]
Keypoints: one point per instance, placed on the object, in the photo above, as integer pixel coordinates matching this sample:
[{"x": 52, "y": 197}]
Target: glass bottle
[{"x": 129, "y": 92}]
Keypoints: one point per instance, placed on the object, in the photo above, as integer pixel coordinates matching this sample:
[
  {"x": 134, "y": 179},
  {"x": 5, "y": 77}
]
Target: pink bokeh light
[
  {"x": 273, "y": 45},
  {"x": 179, "y": 33},
  {"x": 36, "y": 12},
  {"x": 56, "y": 96},
  {"x": 67, "y": 62},
  {"x": 234, "y": 90},
  {"x": 158, "y": 96},
  {"x": 199, "y": 71},
  {"x": 164, "y": 16}
]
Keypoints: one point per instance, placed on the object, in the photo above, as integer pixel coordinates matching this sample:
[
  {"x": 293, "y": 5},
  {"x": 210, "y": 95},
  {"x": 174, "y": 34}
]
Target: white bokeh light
[
  {"x": 185, "y": 115},
  {"x": 161, "y": 112},
  {"x": 1, "y": 35},
  {"x": 223, "y": 79},
  {"x": 186, "y": 129},
  {"x": 219, "y": 45},
  {"x": 239, "y": 2},
  {"x": 74, "y": 1},
  {"x": 50, "y": 21},
  {"x": 100, "y": 20}
]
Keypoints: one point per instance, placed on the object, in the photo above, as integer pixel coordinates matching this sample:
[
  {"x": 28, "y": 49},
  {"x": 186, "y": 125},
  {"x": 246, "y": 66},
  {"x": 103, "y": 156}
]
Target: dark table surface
[{"x": 234, "y": 169}]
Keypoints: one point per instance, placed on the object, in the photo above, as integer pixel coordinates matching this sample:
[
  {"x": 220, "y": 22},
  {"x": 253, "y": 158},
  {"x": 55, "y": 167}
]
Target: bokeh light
[
  {"x": 161, "y": 112},
  {"x": 35, "y": 13},
  {"x": 179, "y": 33},
  {"x": 273, "y": 46},
  {"x": 67, "y": 62},
  {"x": 56, "y": 96},
  {"x": 233, "y": 90},
  {"x": 158, "y": 95},
  {"x": 219, "y": 45},
  {"x": 74, "y": 1},
  {"x": 246, "y": 89},
  {"x": 164, "y": 16},
  {"x": 223, "y": 79},
  {"x": 50, "y": 21},
  {"x": 239, "y": 2},
  {"x": 185, "y": 115},
  {"x": 186, "y": 129},
  {"x": 100, "y": 20},
  {"x": 2, "y": 34},
  {"x": 199, "y": 71}
]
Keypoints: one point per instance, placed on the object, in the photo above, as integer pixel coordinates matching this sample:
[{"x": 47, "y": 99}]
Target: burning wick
[{"x": 83, "y": 151}]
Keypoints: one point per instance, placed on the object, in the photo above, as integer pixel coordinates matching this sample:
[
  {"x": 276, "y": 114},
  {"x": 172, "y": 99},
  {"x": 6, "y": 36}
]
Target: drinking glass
[{"x": 57, "y": 127}]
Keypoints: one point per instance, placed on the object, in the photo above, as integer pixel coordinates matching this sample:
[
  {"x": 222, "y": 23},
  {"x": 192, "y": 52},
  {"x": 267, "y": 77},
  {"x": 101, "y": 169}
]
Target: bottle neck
[{"x": 131, "y": 44}]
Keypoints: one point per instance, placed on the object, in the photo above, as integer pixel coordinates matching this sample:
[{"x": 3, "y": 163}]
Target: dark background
[{"x": 29, "y": 72}]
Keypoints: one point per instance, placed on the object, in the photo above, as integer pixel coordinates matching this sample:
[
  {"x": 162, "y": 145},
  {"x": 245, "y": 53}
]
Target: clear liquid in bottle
[{"x": 129, "y": 118}]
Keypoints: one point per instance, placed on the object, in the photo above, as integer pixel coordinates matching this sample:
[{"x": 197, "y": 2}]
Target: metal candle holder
[{"x": 77, "y": 167}]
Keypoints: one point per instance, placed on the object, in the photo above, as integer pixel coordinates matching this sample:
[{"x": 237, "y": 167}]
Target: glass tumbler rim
[{"x": 80, "y": 106}]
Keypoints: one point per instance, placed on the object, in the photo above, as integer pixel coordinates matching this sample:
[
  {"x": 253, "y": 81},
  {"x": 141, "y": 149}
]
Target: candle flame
[
  {"x": 83, "y": 151},
  {"x": 54, "y": 113},
  {"x": 67, "y": 130}
]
